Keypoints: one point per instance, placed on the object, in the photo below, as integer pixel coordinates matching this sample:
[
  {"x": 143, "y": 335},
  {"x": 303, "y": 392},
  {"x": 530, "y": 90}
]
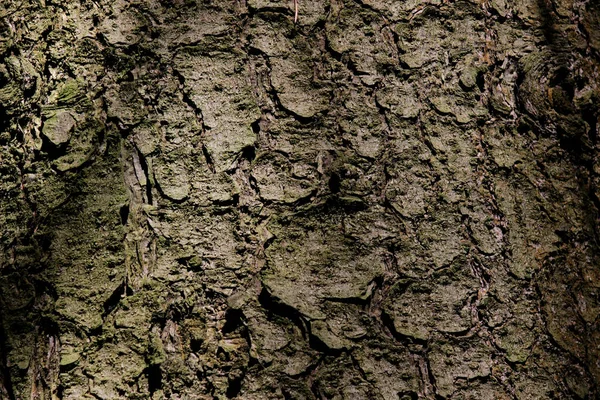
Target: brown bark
[{"x": 379, "y": 200}]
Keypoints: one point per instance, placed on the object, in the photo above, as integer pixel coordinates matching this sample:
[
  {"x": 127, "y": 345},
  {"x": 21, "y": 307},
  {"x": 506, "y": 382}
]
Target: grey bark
[{"x": 383, "y": 200}]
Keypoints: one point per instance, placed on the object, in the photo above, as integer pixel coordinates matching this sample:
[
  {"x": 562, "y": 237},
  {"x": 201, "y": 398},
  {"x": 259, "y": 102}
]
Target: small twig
[{"x": 295, "y": 11}]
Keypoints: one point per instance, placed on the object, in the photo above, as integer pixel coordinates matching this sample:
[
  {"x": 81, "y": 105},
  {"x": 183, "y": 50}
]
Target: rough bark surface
[{"x": 385, "y": 200}]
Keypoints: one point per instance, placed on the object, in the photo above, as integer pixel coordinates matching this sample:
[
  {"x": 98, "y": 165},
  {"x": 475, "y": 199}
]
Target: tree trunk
[{"x": 382, "y": 200}]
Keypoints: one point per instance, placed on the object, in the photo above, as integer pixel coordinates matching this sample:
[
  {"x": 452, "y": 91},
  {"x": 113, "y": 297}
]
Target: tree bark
[{"x": 379, "y": 200}]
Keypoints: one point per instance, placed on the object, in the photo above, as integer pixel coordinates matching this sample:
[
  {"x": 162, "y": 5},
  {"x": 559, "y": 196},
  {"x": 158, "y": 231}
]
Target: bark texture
[{"x": 385, "y": 200}]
